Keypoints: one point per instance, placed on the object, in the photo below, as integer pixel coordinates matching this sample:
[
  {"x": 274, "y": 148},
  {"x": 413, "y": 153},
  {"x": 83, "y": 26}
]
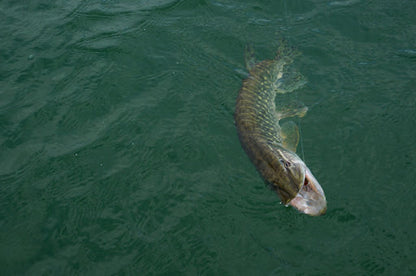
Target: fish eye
[{"x": 287, "y": 164}]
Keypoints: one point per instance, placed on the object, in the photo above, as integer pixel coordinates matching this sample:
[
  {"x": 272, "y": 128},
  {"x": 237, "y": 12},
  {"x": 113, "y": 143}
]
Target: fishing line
[
  {"x": 301, "y": 141},
  {"x": 288, "y": 18},
  {"x": 300, "y": 130}
]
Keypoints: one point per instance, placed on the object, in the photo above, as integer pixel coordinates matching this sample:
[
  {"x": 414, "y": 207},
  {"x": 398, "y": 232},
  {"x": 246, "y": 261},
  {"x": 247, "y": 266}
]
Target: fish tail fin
[
  {"x": 285, "y": 52},
  {"x": 290, "y": 80}
]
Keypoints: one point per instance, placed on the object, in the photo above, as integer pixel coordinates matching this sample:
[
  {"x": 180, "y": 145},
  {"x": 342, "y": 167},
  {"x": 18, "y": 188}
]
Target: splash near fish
[{"x": 269, "y": 143}]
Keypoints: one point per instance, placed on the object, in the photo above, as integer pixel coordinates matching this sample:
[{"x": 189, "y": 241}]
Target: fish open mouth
[{"x": 311, "y": 198}]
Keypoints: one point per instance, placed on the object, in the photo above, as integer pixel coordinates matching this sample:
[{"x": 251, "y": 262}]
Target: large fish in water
[{"x": 271, "y": 146}]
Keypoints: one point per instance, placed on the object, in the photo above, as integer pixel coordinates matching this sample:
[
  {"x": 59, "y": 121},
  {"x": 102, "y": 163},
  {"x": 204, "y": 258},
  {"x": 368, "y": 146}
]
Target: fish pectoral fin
[
  {"x": 250, "y": 58},
  {"x": 291, "y": 110},
  {"x": 290, "y": 135}
]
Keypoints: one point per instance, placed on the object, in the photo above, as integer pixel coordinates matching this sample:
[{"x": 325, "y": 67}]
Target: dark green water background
[{"x": 119, "y": 155}]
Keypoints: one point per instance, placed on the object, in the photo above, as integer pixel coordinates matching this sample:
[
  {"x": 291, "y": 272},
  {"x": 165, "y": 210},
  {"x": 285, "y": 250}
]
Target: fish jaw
[{"x": 311, "y": 198}]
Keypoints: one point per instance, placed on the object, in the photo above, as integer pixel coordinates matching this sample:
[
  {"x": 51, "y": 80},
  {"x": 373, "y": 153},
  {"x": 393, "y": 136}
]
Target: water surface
[{"x": 119, "y": 155}]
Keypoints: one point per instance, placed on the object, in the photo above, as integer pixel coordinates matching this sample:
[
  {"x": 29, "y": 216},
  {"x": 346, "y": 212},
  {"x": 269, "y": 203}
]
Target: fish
[{"x": 270, "y": 143}]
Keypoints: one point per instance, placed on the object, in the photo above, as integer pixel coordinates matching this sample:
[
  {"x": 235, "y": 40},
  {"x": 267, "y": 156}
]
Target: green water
[{"x": 119, "y": 155}]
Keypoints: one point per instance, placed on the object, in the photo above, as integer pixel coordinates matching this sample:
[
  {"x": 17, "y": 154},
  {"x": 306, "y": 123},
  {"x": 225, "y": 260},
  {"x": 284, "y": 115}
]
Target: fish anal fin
[{"x": 295, "y": 109}]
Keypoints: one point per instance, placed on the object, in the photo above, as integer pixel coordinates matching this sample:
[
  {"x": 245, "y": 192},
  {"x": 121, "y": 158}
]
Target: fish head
[{"x": 302, "y": 190}]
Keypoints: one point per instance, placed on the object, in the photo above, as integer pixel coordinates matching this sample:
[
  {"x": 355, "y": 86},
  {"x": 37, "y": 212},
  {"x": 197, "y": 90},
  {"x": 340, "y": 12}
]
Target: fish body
[{"x": 271, "y": 146}]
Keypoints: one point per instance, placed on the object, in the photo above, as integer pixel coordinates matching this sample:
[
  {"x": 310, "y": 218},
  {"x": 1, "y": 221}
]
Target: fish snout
[{"x": 311, "y": 198}]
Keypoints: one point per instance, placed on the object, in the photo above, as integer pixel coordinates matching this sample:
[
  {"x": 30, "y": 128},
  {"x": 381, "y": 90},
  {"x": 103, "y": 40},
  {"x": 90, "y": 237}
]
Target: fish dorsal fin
[
  {"x": 250, "y": 58},
  {"x": 290, "y": 135}
]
